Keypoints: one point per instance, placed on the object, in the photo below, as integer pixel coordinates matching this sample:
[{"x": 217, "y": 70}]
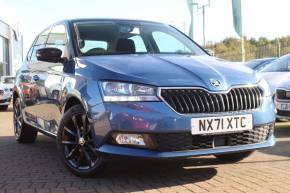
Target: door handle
[{"x": 35, "y": 78}]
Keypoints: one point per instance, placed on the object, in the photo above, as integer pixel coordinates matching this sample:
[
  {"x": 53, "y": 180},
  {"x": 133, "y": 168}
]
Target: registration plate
[
  {"x": 283, "y": 106},
  {"x": 224, "y": 124}
]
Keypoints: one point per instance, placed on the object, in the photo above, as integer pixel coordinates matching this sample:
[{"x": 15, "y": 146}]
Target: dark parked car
[
  {"x": 282, "y": 100},
  {"x": 138, "y": 89},
  {"x": 259, "y": 64}
]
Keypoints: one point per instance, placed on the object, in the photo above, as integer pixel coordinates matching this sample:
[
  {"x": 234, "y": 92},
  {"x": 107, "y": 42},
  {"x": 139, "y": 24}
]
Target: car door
[
  {"x": 49, "y": 84},
  {"x": 28, "y": 79}
]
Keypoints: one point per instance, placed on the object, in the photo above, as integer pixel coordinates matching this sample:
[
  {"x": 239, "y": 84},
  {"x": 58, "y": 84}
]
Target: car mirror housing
[{"x": 49, "y": 55}]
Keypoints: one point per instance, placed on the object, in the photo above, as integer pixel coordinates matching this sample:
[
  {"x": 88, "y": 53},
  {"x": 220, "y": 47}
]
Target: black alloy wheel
[
  {"x": 75, "y": 143},
  {"x": 23, "y": 132}
]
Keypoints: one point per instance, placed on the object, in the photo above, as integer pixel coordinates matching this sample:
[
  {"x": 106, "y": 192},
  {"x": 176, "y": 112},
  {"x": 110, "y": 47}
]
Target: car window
[
  {"x": 264, "y": 65},
  {"x": 9, "y": 80},
  {"x": 253, "y": 64},
  {"x": 29, "y": 53},
  {"x": 39, "y": 43},
  {"x": 139, "y": 44},
  {"x": 282, "y": 64},
  {"x": 35, "y": 48},
  {"x": 57, "y": 38},
  {"x": 261, "y": 67},
  {"x": 94, "y": 45},
  {"x": 131, "y": 38},
  {"x": 166, "y": 43},
  {"x": 42, "y": 38}
]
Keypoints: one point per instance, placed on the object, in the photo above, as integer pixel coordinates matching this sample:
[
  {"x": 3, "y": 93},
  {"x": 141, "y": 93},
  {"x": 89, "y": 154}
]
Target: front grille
[
  {"x": 186, "y": 141},
  {"x": 188, "y": 101},
  {"x": 283, "y": 113},
  {"x": 283, "y": 94}
]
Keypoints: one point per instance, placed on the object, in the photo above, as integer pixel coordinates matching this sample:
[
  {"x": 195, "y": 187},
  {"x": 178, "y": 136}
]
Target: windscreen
[
  {"x": 259, "y": 64},
  {"x": 9, "y": 80},
  {"x": 253, "y": 64},
  {"x": 105, "y": 38},
  {"x": 281, "y": 64}
]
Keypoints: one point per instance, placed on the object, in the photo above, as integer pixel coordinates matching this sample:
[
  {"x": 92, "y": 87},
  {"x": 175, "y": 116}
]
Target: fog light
[{"x": 130, "y": 139}]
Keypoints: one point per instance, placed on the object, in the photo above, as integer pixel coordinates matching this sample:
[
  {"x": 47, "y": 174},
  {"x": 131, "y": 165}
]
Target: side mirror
[{"x": 49, "y": 55}]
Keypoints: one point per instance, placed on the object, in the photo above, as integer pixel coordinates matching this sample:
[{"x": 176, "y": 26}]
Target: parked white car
[
  {"x": 282, "y": 101},
  {"x": 5, "y": 96},
  {"x": 9, "y": 81}
]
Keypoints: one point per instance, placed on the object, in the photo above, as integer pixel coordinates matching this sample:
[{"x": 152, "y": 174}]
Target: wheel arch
[{"x": 72, "y": 100}]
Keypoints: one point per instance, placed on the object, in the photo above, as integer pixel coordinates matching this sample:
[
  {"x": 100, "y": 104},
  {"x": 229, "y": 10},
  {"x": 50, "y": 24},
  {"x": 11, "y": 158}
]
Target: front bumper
[
  {"x": 5, "y": 101},
  {"x": 157, "y": 118},
  {"x": 283, "y": 115},
  {"x": 142, "y": 153},
  {"x": 280, "y": 113}
]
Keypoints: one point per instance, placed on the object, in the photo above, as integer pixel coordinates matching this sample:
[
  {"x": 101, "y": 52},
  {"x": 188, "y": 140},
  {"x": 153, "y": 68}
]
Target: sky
[{"x": 261, "y": 18}]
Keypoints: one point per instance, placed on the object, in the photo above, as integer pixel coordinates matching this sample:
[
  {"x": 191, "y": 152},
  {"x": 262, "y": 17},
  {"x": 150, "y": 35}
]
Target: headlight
[
  {"x": 265, "y": 86},
  {"x": 120, "y": 91}
]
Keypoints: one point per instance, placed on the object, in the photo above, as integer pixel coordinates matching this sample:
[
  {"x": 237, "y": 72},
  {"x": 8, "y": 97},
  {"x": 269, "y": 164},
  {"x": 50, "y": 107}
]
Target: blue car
[
  {"x": 277, "y": 73},
  {"x": 259, "y": 64},
  {"x": 105, "y": 87}
]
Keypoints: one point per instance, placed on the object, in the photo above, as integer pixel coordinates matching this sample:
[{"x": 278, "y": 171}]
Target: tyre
[
  {"x": 75, "y": 144},
  {"x": 23, "y": 133},
  {"x": 3, "y": 107},
  {"x": 234, "y": 157}
]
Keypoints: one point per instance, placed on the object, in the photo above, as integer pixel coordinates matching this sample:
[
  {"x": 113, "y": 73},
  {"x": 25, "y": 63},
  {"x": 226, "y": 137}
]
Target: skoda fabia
[{"x": 105, "y": 87}]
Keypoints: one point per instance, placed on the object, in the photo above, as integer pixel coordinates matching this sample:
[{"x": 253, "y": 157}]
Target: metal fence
[{"x": 272, "y": 50}]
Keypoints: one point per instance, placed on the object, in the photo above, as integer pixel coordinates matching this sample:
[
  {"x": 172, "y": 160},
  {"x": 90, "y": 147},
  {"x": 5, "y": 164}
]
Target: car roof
[
  {"x": 133, "y": 21},
  {"x": 113, "y": 19}
]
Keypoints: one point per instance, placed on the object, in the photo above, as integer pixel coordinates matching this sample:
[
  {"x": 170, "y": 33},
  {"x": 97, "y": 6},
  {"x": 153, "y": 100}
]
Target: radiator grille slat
[
  {"x": 188, "y": 101},
  {"x": 232, "y": 104},
  {"x": 227, "y": 102},
  {"x": 239, "y": 94},
  {"x": 191, "y": 106},
  {"x": 216, "y": 102},
  {"x": 258, "y": 97},
  {"x": 254, "y": 97},
  {"x": 222, "y": 103},
  {"x": 249, "y": 98}
]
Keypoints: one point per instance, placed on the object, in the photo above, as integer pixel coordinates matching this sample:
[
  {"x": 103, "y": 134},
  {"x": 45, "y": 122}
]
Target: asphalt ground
[{"x": 36, "y": 168}]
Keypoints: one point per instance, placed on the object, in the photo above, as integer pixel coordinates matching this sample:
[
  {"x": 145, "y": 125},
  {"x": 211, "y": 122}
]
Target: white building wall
[
  {"x": 9, "y": 26},
  {"x": 4, "y": 30},
  {"x": 15, "y": 48}
]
